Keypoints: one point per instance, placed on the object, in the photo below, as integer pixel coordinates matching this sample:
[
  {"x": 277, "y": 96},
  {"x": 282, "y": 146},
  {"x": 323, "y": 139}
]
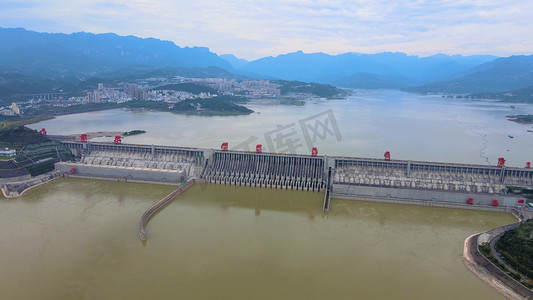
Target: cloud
[{"x": 261, "y": 28}]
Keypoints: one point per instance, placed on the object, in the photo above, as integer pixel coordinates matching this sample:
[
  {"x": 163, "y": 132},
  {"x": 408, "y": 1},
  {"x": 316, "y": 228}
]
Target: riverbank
[
  {"x": 18, "y": 188},
  {"x": 489, "y": 273},
  {"x": 204, "y": 107}
]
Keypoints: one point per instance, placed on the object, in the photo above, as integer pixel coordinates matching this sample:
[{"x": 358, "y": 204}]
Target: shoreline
[
  {"x": 37, "y": 179},
  {"x": 487, "y": 272}
]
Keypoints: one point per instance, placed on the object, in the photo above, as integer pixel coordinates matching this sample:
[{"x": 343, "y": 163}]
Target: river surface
[
  {"x": 78, "y": 239},
  {"x": 410, "y": 126}
]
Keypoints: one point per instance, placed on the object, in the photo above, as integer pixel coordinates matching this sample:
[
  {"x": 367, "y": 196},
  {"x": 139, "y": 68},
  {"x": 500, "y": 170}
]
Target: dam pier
[{"x": 426, "y": 183}]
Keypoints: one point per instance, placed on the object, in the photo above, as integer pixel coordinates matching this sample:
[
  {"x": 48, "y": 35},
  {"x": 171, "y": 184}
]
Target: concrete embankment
[
  {"x": 14, "y": 189},
  {"x": 430, "y": 203},
  {"x": 490, "y": 274},
  {"x": 159, "y": 204}
]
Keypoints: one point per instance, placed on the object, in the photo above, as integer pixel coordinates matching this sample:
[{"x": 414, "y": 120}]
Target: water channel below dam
[{"x": 77, "y": 239}]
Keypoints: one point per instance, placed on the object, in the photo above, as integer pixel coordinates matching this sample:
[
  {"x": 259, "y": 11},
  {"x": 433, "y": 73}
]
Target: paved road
[
  {"x": 481, "y": 262},
  {"x": 495, "y": 239}
]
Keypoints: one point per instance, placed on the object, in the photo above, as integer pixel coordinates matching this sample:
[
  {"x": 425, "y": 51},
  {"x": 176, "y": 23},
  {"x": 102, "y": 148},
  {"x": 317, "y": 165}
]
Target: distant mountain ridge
[
  {"x": 334, "y": 69},
  {"x": 234, "y": 61},
  {"x": 501, "y": 75},
  {"x": 85, "y": 54},
  {"x": 69, "y": 58}
]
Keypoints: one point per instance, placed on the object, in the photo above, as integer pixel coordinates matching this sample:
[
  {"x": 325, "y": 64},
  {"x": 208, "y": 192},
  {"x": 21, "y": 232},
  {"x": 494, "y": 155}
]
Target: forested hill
[{"x": 522, "y": 95}]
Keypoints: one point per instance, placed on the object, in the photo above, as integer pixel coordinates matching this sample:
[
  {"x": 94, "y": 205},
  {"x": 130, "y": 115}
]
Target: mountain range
[
  {"x": 321, "y": 67},
  {"x": 78, "y": 56},
  {"x": 86, "y": 54},
  {"x": 501, "y": 75}
]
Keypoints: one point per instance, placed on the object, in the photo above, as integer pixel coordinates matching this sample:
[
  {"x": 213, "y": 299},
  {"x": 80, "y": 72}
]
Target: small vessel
[
  {"x": 510, "y": 136},
  {"x": 530, "y": 131}
]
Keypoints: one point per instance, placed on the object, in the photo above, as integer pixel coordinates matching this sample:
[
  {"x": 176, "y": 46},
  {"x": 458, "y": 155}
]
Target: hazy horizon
[
  {"x": 260, "y": 29},
  {"x": 279, "y": 54}
]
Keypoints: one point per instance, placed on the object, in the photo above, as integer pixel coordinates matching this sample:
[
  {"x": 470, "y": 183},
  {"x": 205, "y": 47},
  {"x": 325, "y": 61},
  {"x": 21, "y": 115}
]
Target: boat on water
[
  {"x": 510, "y": 136},
  {"x": 530, "y": 131}
]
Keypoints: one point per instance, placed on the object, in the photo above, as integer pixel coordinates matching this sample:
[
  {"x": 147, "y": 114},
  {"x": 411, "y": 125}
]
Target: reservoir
[
  {"x": 77, "y": 239},
  {"x": 410, "y": 126}
]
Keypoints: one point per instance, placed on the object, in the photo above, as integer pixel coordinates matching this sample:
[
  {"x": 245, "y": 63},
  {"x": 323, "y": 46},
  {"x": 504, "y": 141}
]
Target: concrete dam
[
  {"x": 297, "y": 172},
  {"x": 427, "y": 183}
]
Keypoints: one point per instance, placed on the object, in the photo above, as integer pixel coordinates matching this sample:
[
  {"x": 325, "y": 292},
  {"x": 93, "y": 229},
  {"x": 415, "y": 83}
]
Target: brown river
[{"x": 78, "y": 239}]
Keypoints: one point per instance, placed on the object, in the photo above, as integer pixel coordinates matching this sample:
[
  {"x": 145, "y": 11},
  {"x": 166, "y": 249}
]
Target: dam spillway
[
  {"x": 345, "y": 177},
  {"x": 295, "y": 172}
]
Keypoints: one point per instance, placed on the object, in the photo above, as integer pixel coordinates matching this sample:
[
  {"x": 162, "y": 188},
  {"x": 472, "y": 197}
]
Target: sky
[{"x": 255, "y": 29}]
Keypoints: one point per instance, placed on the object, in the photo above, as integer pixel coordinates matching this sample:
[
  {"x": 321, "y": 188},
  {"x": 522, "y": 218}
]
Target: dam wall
[
  {"x": 295, "y": 172},
  {"x": 348, "y": 177},
  {"x": 123, "y": 173},
  {"x": 428, "y": 181},
  {"x": 139, "y": 162},
  {"x": 421, "y": 195}
]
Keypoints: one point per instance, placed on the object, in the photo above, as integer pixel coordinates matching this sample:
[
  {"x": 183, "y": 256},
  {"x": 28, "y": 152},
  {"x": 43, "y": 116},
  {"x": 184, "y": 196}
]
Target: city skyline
[{"x": 260, "y": 29}]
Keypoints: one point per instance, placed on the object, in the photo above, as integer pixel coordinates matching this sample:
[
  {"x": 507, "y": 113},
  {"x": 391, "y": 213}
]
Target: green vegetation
[
  {"x": 527, "y": 193},
  {"x": 36, "y": 153},
  {"x": 16, "y": 137},
  {"x": 224, "y": 104},
  {"x": 291, "y": 101},
  {"x": 13, "y": 85},
  {"x": 485, "y": 250},
  {"x": 524, "y": 95},
  {"x": 516, "y": 246},
  {"x": 317, "y": 89},
  {"x": 41, "y": 168},
  {"x": 40, "y": 158},
  {"x": 153, "y": 105},
  {"x": 133, "y": 132},
  {"x": 16, "y": 121},
  {"x": 522, "y": 119},
  {"x": 187, "y": 87},
  {"x": 209, "y": 106},
  {"x": 74, "y": 109},
  {"x": 235, "y": 99}
]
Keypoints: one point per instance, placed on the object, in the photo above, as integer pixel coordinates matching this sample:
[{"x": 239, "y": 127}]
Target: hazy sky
[{"x": 253, "y": 29}]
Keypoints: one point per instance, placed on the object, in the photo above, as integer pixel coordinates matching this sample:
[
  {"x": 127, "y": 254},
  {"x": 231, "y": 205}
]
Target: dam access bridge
[{"x": 428, "y": 183}]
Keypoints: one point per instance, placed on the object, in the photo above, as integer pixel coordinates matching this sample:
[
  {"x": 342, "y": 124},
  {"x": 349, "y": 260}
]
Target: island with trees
[
  {"x": 522, "y": 119},
  {"x": 133, "y": 132}
]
